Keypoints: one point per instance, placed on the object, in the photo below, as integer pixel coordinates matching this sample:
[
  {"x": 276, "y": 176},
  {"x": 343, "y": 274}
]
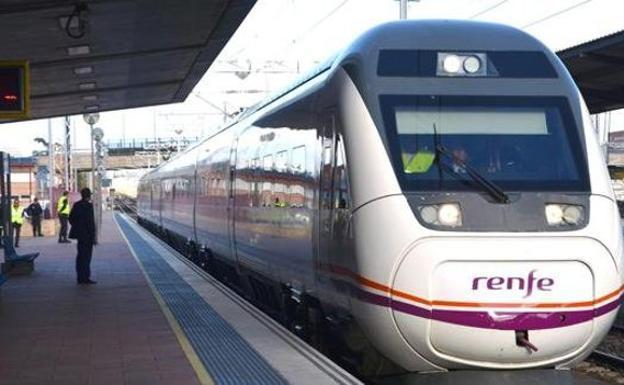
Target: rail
[
  {"x": 609, "y": 359},
  {"x": 125, "y": 204}
]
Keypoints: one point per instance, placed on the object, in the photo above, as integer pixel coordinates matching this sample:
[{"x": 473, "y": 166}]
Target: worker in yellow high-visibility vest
[
  {"x": 63, "y": 207},
  {"x": 17, "y": 219},
  {"x": 418, "y": 163}
]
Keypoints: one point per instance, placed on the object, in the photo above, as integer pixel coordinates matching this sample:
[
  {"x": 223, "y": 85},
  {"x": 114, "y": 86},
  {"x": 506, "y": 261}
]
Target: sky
[{"x": 280, "y": 39}]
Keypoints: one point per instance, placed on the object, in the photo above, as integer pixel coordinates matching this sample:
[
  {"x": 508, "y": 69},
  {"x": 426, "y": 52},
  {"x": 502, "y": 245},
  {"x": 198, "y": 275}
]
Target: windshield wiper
[{"x": 489, "y": 186}]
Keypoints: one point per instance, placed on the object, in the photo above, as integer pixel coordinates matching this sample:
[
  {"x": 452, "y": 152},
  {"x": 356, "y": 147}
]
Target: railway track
[
  {"x": 126, "y": 205},
  {"x": 611, "y": 360},
  {"x": 618, "y": 328},
  {"x": 608, "y": 356}
]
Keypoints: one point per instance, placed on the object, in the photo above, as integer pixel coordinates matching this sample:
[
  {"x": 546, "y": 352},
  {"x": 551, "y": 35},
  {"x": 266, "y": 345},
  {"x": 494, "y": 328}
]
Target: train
[{"x": 431, "y": 198}]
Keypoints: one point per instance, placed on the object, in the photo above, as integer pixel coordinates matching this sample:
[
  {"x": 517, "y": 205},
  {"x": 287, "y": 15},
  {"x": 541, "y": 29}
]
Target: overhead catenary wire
[
  {"x": 488, "y": 9},
  {"x": 320, "y": 21},
  {"x": 556, "y": 14}
]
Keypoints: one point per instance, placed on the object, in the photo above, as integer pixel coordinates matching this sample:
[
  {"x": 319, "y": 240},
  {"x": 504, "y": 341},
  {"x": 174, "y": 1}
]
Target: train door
[
  {"x": 335, "y": 249},
  {"x": 231, "y": 208},
  {"x": 328, "y": 159}
]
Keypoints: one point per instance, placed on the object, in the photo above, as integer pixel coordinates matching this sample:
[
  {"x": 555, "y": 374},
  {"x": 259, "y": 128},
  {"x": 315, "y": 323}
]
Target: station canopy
[
  {"x": 598, "y": 69},
  {"x": 101, "y": 55}
]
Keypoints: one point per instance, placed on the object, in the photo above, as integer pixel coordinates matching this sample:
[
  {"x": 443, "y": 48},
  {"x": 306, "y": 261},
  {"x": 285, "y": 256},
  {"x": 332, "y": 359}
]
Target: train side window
[
  {"x": 203, "y": 188},
  {"x": 267, "y": 163},
  {"x": 298, "y": 160},
  {"x": 281, "y": 161},
  {"x": 255, "y": 194},
  {"x": 341, "y": 183},
  {"x": 267, "y": 166},
  {"x": 341, "y": 201},
  {"x": 327, "y": 154}
]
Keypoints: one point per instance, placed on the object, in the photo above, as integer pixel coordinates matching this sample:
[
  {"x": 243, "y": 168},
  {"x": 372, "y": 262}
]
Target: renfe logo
[{"x": 514, "y": 283}]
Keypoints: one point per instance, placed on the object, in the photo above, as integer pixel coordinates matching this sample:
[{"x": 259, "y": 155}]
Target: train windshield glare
[{"x": 518, "y": 143}]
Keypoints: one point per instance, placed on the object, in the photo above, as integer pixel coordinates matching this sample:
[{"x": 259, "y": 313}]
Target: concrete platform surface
[
  {"x": 53, "y": 331},
  {"x": 258, "y": 349}
]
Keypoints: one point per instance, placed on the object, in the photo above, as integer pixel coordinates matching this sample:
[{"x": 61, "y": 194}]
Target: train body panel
[
  {"x": 435, "y": 197},
  {"x": 213, "y": 195}
]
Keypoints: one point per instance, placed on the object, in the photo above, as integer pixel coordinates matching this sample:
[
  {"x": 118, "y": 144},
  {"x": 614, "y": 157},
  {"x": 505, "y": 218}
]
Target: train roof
[
  {"x": 431, "y": 34},
  {"x": 445, "y": 34},
  {"x": 406, "y": 34}
]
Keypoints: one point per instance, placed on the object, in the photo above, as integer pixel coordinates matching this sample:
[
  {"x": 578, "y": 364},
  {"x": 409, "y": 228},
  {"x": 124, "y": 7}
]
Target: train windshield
[{"x": 516, "y": 143}]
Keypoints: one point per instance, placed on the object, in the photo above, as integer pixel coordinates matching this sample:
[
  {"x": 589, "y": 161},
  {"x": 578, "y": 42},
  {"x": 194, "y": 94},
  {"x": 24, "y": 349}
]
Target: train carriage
[{"x": 432, "y": 198}]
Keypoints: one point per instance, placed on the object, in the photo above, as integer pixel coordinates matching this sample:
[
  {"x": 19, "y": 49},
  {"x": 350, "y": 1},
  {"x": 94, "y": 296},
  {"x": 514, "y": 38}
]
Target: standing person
[
  {"x": 63, "y": 207},
  {"x": 17, "y": 219},
  {"x": 83, "y": 229},
  {"x": 35, "y": 212}
]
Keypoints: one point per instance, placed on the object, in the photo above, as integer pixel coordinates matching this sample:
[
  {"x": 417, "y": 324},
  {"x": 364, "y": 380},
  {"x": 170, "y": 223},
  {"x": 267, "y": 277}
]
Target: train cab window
[{"x": 519, "y": 143}]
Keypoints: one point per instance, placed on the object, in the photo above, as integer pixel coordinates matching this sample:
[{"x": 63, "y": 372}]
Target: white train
[{"x": 432, "y": 198}]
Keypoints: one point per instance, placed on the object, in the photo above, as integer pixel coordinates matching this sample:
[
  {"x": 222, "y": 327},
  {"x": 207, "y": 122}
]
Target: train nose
[{"x": 501, "y": 302}]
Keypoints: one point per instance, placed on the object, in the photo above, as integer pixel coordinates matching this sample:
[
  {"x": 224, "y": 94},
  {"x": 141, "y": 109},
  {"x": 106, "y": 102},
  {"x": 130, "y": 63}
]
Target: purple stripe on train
[{"x": 500, "y": 320}]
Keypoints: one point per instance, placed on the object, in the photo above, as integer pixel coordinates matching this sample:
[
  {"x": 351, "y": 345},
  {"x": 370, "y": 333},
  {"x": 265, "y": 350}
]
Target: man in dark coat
[
  {"x": 82, "y": 223},
  {"x": 35, "y": 212}
]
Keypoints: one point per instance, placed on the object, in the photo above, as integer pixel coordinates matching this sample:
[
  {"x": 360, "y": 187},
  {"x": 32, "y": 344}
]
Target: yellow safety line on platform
[{"x": 199, "y": 368}]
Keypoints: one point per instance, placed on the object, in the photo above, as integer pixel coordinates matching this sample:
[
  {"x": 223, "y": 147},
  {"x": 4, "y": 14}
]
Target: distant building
[
  {"x": 616, "y": 136},
  {"x": 616, "y": 149},
  {"x": 23, "y": 180}
]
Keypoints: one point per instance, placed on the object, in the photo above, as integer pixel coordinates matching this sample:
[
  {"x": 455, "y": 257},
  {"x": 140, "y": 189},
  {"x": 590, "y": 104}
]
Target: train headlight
[
  {"x": 429, "y": 214},
  {"x": 554, "y": 215},
  {"x": 451, "y": 64},
  {"x": 573, "y": 215},
  {"x": 463, "y": 64},
  {"x": 446, "y": 214},
  {"x": 562, "y": 214},
  {"x": 472, "y": 64}
]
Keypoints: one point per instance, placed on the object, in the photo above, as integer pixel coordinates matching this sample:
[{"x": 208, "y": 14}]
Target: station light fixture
[
  {"x": 90, "y": 98},
  {"x": 78, "y": 50},
  {"x": 86, "y": 86},
  {"x": 85, "y": 70}
]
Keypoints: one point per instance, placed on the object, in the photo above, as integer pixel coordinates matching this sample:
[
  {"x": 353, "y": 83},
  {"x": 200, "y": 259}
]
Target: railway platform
[{"x": 150, "y": 319}]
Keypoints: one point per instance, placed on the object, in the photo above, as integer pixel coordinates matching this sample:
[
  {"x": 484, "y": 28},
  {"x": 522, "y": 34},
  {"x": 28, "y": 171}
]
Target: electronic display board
[{"x": 14, "y": 89}]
